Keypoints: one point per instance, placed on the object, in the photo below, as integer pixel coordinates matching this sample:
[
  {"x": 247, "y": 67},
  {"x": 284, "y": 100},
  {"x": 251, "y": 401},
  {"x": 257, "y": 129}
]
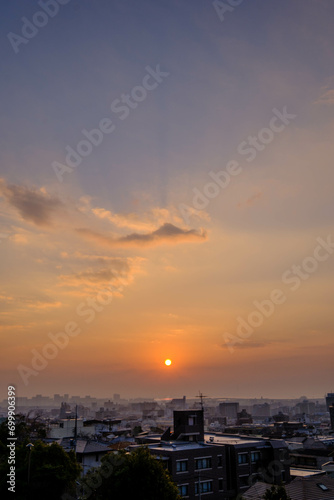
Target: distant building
[
  {"x": 177, "y": 403},
  {"x": 65, "y": 428},
  {"x": 329, "y": 400},
  {"x": 229, "y": 410},
  {"x": 57, "y": 398},
  {"x": 65, "y": 410},
  {"x": 261, "y": 410},
  {"x": 305, "y": 406},
  {"x": 331, "y": 413},
  {"x": 244, "y": 418},
  {"x": 281, "y": 417}
]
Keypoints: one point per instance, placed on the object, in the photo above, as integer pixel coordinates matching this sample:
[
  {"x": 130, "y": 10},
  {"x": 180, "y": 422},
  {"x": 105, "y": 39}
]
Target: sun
[{"x": 168, "y": 362}]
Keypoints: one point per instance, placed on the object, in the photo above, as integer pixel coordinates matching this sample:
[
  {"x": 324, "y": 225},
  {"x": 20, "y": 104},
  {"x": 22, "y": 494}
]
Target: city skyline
[{"x": 166, "y": 193}]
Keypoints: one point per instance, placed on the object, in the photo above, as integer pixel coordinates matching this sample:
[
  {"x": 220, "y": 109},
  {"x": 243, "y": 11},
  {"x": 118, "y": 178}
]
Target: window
[
  {"x": 192, "y": 420},
  {"x": 181, "y": 465},
  {"x": 322, "y": 487},
  {"x": 220, "y": 482},
  {"x": 203, "y": 463},
  {"x": 242, "y": 458},
  {"x": 183, "y": 490},
  {"x": 205, "y": 487},
  {"x": 255, "y": 456},
  {"x": 220, "y": 461},
  {"x": 61, "y": 425}
]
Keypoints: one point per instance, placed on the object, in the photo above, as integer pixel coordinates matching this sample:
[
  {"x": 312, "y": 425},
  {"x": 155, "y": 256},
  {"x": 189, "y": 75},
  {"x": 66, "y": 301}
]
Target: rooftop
[
  {"x": 236, "y": 440},
  {"x": 311, "y": 488},
  {"x": 177, "y": 446}
]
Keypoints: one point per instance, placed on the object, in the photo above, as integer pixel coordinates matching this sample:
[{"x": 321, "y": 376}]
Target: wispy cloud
[
  {"x": 167, "y": 233},
  {"x": 34, "y": 205},
  {"x": 327, "y": 93},
  {"x": 326, "y": 98},
  {"x": 148, "y": 220},
  {"x": 103, "y": 271},
  {"x": 252, "y": 200}
]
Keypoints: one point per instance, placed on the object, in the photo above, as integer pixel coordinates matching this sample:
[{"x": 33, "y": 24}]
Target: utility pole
[
  {"x": 76, "y": 425},
  {"x": 201, "y": 396},
  {"x": 29, "y": 445}
]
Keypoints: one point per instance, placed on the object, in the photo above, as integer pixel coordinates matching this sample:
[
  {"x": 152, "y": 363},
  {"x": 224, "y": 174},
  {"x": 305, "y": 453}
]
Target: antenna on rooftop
[{"x": 201, "y": 396}]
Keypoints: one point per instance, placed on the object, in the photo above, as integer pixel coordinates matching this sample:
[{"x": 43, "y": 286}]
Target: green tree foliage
[
  {"x": 137, "y": 430},
  {"x": 52, "y": 470},
  {"x": 276, "y": 493},
  {"x": 136, "y": 475}
]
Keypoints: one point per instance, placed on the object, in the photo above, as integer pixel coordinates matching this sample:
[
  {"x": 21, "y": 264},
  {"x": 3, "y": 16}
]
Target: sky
[{"x": 166, "y": 192}]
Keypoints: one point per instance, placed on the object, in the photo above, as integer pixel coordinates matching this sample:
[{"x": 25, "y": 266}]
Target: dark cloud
[
  {"x": 94, "y": 276},
  {"x": 167, "y": 233},
  {"x": 34, "y": 205}
]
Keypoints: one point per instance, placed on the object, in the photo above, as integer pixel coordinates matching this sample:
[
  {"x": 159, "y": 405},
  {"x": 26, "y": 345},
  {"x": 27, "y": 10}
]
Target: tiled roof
[
  {"x": 299, "y": 489},
  {"x": 90, "y": 447}
]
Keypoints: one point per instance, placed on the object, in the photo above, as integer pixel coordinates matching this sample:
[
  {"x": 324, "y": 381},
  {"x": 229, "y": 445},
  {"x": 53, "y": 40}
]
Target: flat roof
[
  {"x": 177, "y": 446},
  {"x": 233, "y": 440},
  {"x": 296, "y": 472}
]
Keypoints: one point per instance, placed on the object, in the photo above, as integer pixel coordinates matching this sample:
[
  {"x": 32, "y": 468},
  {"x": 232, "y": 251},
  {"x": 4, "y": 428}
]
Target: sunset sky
[{"x": 211, "y": 179}]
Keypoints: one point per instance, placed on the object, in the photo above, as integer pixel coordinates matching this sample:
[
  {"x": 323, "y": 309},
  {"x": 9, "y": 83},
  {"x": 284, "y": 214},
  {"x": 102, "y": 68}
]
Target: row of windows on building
[
  {"x": 243, "y": 458},
  {"x": 206, "y": 462},
  {"x": 202, "y": 486},
  {"x": 200, "y": 463}
]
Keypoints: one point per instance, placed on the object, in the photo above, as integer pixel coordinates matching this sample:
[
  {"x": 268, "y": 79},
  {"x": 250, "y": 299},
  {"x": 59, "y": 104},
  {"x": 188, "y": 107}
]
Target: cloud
[
  {"x": 327, "y": 93},
  {"x": 119, "y": 272},
  {"x": 251, "y": 201},
  {"x": 34, "y": 205},
  {"x": 90, "y": 277},
  {"x": 107, "y": 260},
  {"x": 131, "y": 220},
  {"x": 326, "y": 98},
  {"x": 149, "y": 220},
  {"x": 167, "y": 233},
  {"x": 24, "y": 303}
]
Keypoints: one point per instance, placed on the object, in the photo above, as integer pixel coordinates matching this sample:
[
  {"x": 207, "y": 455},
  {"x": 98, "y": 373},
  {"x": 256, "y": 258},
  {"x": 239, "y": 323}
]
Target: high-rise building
[
  {"x": 331, "y": 412},
  {"x": 329, "y": 400}
]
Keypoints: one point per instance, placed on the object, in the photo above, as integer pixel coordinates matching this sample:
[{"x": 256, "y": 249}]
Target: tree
[
  {"x": 136, "y": 475},
  {"x": 52, "y": 472},
  {"x": 137, "y": 430},
  {"x": 276, "y": 493}
]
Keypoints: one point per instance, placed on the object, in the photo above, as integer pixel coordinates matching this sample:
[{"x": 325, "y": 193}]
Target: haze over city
[{"x": 166, "y": 192}]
